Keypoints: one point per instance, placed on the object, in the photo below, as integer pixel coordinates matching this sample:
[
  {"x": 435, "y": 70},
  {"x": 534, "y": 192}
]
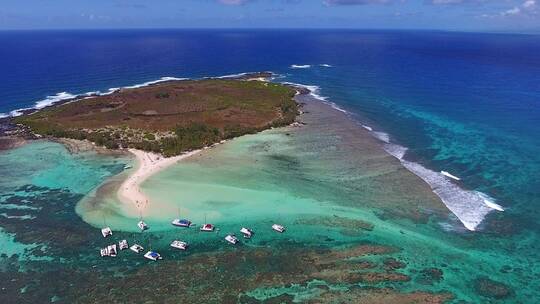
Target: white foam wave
[
  {"x": 490, "y": 202},
  {"x": 470, "y": 207},
  {"x": 313, "y": 90},
  {"x": 232, "y": 75},
  {"x": 300, "y": 66},
  {"x": 62, "y": 96},
  {"x": 367, "y": 128},
  {"x": 382, "y": 136},
  {"x": 326, "y": 65},
  {"x": 145, "y": 84},
  {"x": 395, "y": 150},
  {"x": 448, "y": 174}
]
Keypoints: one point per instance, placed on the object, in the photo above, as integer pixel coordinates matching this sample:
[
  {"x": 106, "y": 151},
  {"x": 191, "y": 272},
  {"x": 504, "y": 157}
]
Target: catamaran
[
  {"x": 207, "y": 227},
  {"x": 231, "y": 238},
  {"x": 179, "y": 245},
  {"x": 136, "y": 248},
  {"x": 248, "y": 233},
  {"x": 123, "y": 244},
  {"x": 152, "y": 255},
  {"x": 278, "y": 228},
  {"x": 106, "y": 232},
  {"x": 181, "y": 223},
  {"x": 109, "y": 251},
  {"x": 142, "y": 225}
]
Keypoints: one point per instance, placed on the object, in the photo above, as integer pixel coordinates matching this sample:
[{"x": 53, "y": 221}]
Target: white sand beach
[{"x": 148, "y": 164}]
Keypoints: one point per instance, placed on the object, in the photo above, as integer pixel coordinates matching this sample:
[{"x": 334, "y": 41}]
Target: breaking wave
[
  {"x": 64, "y": 96},
  {"x": 300, "y": 66},
  {"x": 469, "y": 206}
]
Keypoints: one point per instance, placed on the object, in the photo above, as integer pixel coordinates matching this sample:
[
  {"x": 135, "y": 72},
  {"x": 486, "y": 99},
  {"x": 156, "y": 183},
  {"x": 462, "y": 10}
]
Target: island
[
  {"x": 171, "y": 117},
  {"x": 166, "y": 122}
]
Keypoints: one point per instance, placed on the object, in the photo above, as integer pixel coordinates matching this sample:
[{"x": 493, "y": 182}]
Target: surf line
[{"x": 469, "y": 206}]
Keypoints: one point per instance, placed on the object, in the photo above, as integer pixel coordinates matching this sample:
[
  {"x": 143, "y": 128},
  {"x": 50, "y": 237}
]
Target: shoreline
[{"x": 148, "y": 164}]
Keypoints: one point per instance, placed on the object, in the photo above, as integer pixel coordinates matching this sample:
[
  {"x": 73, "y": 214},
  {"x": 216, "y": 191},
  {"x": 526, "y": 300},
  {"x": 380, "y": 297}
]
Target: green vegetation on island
[{"x": 170, "y": 117}]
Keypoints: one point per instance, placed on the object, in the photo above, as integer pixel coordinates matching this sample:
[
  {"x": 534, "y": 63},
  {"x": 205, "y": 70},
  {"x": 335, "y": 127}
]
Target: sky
[{"x": 465, "y": 15}]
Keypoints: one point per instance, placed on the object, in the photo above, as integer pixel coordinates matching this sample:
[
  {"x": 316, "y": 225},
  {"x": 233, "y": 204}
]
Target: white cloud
[
  {"x": 529, "y": 3},
  {"x": 526, "y": 8}
]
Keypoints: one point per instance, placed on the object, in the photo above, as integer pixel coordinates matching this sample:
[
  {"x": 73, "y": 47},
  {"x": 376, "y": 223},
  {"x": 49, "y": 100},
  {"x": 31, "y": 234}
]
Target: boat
[
  {"x": 123, "y": 244},
  {"x": 248, "y": 233},
  {"x": 181, "y": 223},
  {"x": 128, "y": 167},
  {"x": 207, "y": 227},
  {"x": 142, "y": 225},
  {"x": 179, "y": 245},
  {"x": 106, "y": 232},
  {"x": 109, "y": 251},
  {"x": 136, "y": 248},
  {"x": 231, "y": 238},
  {"x": 447, "y": 174},
  {"x": 152, "y": 255},
  {"x": 278, "y": 228}
]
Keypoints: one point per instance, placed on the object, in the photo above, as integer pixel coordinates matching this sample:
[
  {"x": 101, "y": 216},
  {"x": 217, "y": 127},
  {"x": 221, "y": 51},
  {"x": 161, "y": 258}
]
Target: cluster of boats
[{"x": 111, "y": 250}]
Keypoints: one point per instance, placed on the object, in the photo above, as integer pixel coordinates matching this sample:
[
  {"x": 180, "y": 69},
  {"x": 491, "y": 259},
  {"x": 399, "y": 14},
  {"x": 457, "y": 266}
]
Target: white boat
[
  {"x": 123, "y": 244},
  {"x": 106, "y": 232},
  {"x": 231, "y": 238},
  {"x": 278, "y": 228},
  {"x": 248, "y": 233},
  {"x": 142, "y": 225},
  {"x": 136, "y": 248},
  {"x": 181, "y": 223},
  {"x": 112, "y": 250},
  {"x": 207, "y": 227},
  {"x": 447, "y": 174},
  {"x": 152, "y": 255},
  {"x": 179, "y": 245},
  {"x": 109, "y": 251},
  {"x": 128, "y": 167}
]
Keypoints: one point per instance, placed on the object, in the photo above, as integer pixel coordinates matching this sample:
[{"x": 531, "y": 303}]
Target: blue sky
[{"x": 469, "y": 15}]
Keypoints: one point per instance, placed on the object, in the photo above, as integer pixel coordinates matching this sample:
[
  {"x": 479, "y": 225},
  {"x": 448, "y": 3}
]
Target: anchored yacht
[
  {"x": 142, "y": 225},
  {"x": 136, "y": 248},
  {"x": 207, "y": 227},
  {"x": 248, "y": 233},
  {"x": 106, "y": 232},
  {"x": 109, "y": 251},
  {"x": 181, "y": 223},
  {"x": 278, "y": 228},
  {"x": 231, "y": 238},
  {"x": 152, "y": 255},
  {"x": 123, "y": 244},
  {"x": 179, "y": 245}
]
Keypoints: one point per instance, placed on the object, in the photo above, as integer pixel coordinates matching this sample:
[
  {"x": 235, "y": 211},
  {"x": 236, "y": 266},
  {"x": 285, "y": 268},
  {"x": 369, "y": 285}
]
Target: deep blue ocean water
[{"x": 466, "y": 103}]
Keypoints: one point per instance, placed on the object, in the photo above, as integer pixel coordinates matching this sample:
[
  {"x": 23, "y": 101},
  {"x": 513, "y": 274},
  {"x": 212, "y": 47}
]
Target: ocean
[{"x": 465, "y": 103}]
